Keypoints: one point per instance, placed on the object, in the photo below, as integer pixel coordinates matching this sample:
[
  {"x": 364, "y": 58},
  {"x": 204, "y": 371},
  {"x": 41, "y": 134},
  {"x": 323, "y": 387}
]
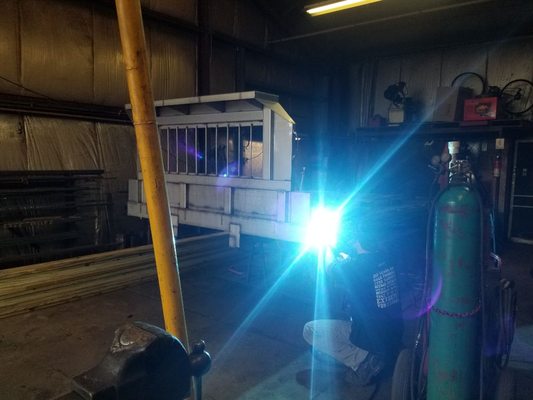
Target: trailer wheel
[
  {"x": 401, "y": 378},
  {"x": 506, "y": 386}
]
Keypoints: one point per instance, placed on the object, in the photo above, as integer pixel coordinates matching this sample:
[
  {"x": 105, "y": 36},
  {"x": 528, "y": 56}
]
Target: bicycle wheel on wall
[{"x": 517, "y": 97}]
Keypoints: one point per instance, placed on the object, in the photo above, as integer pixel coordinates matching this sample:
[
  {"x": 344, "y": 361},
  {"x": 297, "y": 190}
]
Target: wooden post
[{"x": 149, "y": 149}]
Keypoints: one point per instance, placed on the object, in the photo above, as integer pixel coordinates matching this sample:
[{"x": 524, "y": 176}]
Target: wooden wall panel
[
  {"x": 361, "y": 102},
  {"x": 57, "y": 49},
  {"x": 388, "y": 73},
  {"x": 510, "y": 61},
  {"x": 9, "y": 47},
  {"x": 421, "y": 72},
  {"x": 424, "y": 72},
  {"x": 173, "y": 64},
  {"x": 464, "y": 59}
]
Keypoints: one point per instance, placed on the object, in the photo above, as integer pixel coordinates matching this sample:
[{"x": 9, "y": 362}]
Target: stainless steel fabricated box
[{"x": 228, "y": 162}]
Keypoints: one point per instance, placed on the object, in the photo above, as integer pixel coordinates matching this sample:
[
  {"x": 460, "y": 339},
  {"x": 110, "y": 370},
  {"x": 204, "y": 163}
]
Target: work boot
[{"x": 371, "y": 366}]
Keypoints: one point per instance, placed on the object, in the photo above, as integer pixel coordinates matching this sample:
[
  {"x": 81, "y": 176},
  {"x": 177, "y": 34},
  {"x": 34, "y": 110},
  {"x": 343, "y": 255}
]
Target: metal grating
[{"x": 229, "y": 150}]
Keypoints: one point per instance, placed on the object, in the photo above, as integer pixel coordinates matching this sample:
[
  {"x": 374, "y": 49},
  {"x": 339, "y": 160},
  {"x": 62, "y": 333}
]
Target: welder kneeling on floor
[{"x": 369, "y": 339}]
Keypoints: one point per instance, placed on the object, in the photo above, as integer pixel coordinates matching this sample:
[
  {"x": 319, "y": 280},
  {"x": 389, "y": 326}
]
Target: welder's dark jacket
[{"x": 375, "y": 304}]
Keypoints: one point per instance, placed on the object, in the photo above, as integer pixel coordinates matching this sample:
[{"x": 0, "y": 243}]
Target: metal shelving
[{"x": 50, "y": 214}]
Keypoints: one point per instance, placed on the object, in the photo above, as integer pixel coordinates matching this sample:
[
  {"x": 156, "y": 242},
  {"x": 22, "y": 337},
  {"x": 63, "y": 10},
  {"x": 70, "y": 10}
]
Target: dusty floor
[{"x": 255, "y": 340}]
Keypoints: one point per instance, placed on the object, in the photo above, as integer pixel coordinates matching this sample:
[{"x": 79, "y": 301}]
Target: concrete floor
[{"x": 258, "y": 357}]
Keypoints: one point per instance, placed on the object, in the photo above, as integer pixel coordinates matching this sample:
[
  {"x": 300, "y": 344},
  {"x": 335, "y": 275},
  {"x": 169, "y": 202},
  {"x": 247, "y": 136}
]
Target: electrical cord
[
  {"x": 423, "y": 326},
  {"x": 507, "y": 314},
  {"x": 253, "y": 158},
  {"x": 482, "y": 301},
  {"x": 25, "y": 88}
]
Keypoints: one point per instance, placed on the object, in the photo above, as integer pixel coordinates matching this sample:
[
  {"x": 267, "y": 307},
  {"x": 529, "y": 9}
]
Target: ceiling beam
[
  {"x": 380, "y": 20},
  {"x": 194, "y": 29}
]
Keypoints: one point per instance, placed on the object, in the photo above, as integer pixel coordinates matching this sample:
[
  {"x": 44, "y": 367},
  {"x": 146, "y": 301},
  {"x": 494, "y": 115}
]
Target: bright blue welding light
[
  {"x": 323, "y": 228},
  {"x": 321, "y": 299}
]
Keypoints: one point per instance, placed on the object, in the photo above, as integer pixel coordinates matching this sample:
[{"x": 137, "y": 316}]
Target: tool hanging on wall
[
  {"x": 401, "y": 109},
  {"x": 517, "y": 97}
]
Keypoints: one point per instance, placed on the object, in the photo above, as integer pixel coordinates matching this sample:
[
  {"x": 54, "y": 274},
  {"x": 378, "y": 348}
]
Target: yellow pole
[{"x": 149, "y": 149}]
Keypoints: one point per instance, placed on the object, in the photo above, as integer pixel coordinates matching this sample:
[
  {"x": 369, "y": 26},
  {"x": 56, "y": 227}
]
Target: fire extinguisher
[
  {"x": 497, "y": 168},
  {"x": 496, "y": 174}
]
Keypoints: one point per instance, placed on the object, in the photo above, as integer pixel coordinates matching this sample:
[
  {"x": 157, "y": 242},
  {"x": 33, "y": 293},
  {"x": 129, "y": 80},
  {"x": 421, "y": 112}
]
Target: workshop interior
[{"x": 186, "y": 184}]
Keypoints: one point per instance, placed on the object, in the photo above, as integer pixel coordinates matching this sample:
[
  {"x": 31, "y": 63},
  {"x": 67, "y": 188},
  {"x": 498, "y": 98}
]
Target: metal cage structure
[{"x": 228, "y": 166}]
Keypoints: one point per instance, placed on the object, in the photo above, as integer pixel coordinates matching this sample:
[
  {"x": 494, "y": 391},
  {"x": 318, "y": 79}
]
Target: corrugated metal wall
[
  {"x": 183, "y": 9},
  {"x": 239, "y": 19},
  {"x": 12, "y": 143},
  {"x": 41, "y": 143},
  {"x": 300, "y": 90},
  {"x": 424, "y": 72},
  {"x": 67, "y": 50},
  {"x": 56, "y": 46},
  {"x": 70, "y": 50},
  {"x": 9, "y": 47}
]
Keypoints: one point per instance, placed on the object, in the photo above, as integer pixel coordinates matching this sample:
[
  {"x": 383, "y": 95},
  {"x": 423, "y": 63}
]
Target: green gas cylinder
[{"x": 454, "y": 330}]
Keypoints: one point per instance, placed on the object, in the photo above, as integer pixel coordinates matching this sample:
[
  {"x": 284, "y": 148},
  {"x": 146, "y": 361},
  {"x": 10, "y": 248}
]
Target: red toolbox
[{"x": 481, "y": 109}]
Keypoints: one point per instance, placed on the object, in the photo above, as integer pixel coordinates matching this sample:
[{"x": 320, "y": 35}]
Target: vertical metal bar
[
  {"x": 196, "y": 150},
  {"x": 167, "y": 136},
  {"x": 187, "y": 150},
  {"x": 161, "y": 140},
  {"x": 216, "y": 150},
  {"x": 251, "y": 152},
  {"x": 268, "y": 143},
  {"x": 227, "y": 150},
  {"x": 205, "y": 151},
  {"x": 177, "y": 149},
  {"x": 149, "y": 149},
  {"x": 239, "y": 151}
]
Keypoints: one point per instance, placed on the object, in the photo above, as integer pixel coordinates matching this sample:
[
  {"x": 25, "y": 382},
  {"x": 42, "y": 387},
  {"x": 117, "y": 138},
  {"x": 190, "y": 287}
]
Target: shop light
[{"x": 326, "y": 8}]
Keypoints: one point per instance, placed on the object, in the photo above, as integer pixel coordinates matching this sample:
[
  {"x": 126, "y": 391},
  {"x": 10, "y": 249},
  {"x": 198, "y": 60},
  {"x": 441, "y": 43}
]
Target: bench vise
[{"x": 144, "y": 362}]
